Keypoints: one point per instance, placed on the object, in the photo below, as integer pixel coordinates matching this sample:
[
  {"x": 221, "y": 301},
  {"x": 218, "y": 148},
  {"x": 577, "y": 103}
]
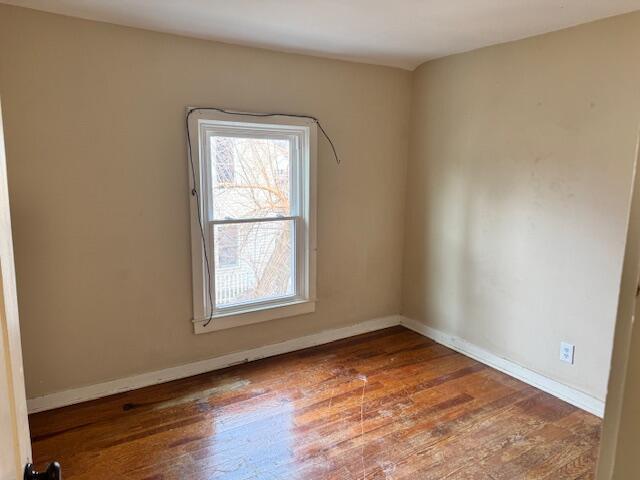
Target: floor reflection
[{"x": 255, "y": 443}]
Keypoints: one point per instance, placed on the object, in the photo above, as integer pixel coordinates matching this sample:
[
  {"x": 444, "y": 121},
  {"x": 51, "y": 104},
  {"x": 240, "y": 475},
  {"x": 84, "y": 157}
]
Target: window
[{"x": 254, "y": 178}]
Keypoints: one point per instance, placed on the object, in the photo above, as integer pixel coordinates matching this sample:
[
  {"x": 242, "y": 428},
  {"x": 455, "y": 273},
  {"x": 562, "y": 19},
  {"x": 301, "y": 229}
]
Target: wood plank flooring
[{"x": 385, "y": 405}]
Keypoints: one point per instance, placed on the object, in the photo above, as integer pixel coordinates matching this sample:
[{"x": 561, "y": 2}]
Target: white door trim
[{"x": 14, "y": 426}]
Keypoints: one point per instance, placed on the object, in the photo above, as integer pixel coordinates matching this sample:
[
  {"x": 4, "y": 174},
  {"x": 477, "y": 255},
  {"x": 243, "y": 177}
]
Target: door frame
[
  {"x": 15, "y": 411},
  {"x": 624, "y": 330}
]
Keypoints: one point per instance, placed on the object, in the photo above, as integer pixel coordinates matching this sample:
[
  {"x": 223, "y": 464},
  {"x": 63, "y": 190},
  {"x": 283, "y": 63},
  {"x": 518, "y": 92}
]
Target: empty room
[{"x": 353, "y": 239}]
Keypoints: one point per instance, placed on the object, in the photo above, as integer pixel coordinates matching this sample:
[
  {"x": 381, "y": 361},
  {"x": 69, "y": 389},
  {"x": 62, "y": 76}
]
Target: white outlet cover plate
[{"x": 567, "y": 352}]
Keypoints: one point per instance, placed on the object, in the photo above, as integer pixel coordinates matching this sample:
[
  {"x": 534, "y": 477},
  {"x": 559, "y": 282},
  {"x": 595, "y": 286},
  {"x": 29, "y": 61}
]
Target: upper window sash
[{"x": 294, "y": 136}]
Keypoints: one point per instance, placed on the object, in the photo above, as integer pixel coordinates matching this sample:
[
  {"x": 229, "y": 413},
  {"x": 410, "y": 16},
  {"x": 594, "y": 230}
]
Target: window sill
[{"x": 231, "y": 320}]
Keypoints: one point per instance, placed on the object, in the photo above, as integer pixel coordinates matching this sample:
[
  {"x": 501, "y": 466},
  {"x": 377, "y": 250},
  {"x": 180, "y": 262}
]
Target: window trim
[{"x": 305, "y": 224}]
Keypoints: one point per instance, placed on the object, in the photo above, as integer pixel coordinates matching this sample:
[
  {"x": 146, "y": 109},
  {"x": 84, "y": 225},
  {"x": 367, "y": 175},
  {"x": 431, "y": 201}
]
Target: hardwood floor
[{"x": 386, "y": 405}]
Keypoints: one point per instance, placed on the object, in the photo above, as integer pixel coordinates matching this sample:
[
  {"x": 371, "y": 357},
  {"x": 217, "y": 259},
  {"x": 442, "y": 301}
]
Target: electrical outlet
[{"x": 567, "y": 352}]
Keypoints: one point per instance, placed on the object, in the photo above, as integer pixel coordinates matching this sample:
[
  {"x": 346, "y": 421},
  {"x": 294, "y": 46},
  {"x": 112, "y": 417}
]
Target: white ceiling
[{"x": 401, "y": 33}]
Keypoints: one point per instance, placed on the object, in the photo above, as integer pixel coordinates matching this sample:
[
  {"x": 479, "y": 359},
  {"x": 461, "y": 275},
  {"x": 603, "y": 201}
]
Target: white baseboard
[
  {"x": 91, "y": 392},
  {"x": 570, "y": 395}
]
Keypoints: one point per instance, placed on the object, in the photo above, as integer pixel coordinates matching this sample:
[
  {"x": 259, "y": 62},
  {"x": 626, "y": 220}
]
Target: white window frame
[{"x": 202, "y": 124}]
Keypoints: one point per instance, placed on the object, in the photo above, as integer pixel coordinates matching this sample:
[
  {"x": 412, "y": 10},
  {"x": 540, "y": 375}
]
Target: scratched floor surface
[{"x": 386, "y": 405}]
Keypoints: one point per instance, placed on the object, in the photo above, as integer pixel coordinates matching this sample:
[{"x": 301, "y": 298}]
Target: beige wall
[
  {"x": 94, "y": 118},
  {"x": 517, "y": 197}
]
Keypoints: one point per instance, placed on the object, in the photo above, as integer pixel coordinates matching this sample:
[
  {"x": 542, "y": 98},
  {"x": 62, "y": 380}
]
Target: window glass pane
[
  {"x": 250, "y": 177},
  {"x": 253, "y": 262},
  {"x": 228, "y": 247}
]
